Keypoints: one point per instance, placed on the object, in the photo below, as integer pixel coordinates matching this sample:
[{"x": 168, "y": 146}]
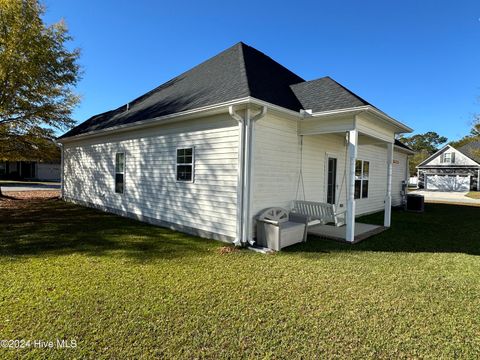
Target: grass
[
  {"x": 474, "y": 194},
  {"x": 123, "y": 289}
]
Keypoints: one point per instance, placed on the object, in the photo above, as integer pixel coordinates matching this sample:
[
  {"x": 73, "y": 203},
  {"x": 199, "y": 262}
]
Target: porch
[
  {"x": 358, "y": 175},
  {"x": 339, "y": 233}
]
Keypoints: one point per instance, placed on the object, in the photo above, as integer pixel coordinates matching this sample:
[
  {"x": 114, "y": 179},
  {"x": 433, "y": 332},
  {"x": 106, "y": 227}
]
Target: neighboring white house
[
  {"x": 451, "y": 169},
  {"x": 30, "y": 170},
  {"x": 206, "y": 151}
]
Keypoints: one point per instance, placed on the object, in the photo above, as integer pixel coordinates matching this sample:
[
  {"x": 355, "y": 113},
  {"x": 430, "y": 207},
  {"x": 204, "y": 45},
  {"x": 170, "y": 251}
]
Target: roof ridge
[
  {"x": 243, "y": 66},
  {"x": 168, "y": 82}
]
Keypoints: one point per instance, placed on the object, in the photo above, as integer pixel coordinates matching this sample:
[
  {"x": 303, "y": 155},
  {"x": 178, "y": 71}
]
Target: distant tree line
[{"x": 430, "y": 142}]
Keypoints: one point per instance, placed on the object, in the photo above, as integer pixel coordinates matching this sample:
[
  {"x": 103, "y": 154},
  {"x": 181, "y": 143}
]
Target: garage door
[{"x": 448, "y": 182}]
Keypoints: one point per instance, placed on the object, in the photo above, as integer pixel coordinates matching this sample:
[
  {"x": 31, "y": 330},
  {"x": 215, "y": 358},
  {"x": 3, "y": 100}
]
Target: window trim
[
  {"x": 192, "y": 164},
  {"x": 451, "y": 159},
  {"x": 115, "y": 172},
  {"x": 362, "y": 179}
]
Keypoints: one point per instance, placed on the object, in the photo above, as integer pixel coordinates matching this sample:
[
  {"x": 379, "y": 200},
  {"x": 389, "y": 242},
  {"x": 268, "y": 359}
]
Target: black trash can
[{"x": 415, "y": 203}]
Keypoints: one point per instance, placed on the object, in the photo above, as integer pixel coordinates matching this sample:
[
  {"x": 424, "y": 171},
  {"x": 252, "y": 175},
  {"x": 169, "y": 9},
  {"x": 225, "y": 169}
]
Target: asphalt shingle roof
[
  {"x": 472, "y": 150},
  {"x": 402, "y": 145},
  {"x": 235, "y": 73},
  {"x": 326, "y": 94}
]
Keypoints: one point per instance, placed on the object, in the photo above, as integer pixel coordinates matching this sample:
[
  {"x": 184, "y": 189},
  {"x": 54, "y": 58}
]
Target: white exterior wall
[
  {"x": 48, "y": 171},
  {"x": 276, "y": 162},
  {"x": 151, "y": 190},
  {"x": 277, "y": 159}
]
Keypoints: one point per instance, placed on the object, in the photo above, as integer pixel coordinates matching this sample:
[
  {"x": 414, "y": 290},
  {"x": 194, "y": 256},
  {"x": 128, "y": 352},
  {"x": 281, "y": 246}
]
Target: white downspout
[
  {"x": 240, "y": 175},
  {"x": 244, "y": 174},
  {"x": 249, "y": 158}
]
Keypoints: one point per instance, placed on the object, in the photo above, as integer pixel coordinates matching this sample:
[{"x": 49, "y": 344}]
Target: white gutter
[
  {"x": 245, "y": 172},
  {"x": 359, "y": 109},
  {"x": 166, "y": 119},
  {"x": 183, "y": 115}
]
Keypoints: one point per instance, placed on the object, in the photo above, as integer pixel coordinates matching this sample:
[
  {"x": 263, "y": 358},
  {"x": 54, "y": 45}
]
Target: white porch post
[
  {"x": 352, "y": 158},
  {"x": 388, "y": 197}
]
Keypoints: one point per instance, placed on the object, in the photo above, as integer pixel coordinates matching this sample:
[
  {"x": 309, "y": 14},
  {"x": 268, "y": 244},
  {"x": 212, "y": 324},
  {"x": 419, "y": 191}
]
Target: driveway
[
  {"x": 25, "y": 186},
  {"x": 446, "y": 197}
]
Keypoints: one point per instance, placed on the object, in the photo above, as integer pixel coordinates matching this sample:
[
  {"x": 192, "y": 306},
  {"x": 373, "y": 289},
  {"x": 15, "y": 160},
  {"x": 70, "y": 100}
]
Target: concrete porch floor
[{"x": 362, "y": 231}]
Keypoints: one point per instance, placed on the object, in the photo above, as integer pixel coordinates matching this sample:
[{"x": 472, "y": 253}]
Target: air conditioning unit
[{"x": 415, "y": 203}]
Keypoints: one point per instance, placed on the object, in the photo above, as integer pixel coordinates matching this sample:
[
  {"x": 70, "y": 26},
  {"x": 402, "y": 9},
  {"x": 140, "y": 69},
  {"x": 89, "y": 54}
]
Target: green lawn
[
  {"x": 474, "y": 194},
  {"x": 121, "y": 288}
]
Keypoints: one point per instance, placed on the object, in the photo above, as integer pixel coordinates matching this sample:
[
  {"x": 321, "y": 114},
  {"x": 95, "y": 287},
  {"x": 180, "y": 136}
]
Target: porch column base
[
  {"x": 350, "y": 231},
  {"x": 387, "y": 221}
]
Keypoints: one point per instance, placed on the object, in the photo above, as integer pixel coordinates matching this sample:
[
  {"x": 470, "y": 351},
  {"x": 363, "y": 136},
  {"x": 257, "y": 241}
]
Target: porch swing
[{"x": 317, "y": 212}]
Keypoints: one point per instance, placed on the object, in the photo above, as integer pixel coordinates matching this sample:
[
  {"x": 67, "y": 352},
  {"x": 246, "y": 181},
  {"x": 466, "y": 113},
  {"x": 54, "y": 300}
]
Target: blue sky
[{"x": 419, "y": 61}]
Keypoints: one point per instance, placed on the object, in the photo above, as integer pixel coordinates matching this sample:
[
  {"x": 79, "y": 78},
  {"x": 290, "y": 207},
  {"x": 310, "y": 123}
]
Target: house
[
  {"x": 451, "y": 169},
  {"x": 30, "y": 170},
  {"x": 209, "y": 149}
]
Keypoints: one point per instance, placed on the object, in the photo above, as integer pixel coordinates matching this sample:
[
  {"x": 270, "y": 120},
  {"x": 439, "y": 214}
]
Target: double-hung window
[
  {"x": 448, "y": 158},
  {"x": 185, "y": 164},
  {"x": 119, "y": 172},
  {"x": 362, "y": 174}
]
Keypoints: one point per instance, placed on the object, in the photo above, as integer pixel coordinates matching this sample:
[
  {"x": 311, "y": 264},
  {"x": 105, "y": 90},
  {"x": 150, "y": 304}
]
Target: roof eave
[
  {"x": 405, "y": 150},
  {"x": 180, "y": 116},
  {"x": 370, "y": 109}
]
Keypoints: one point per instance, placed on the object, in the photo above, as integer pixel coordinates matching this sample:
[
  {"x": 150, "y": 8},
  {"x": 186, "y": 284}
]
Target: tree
[
  {"x": 424, "y": 145},
  {"x": 475, "y": 131},
  {"x": 37, "y": 79},
  {"x": 473, "y": 136}
]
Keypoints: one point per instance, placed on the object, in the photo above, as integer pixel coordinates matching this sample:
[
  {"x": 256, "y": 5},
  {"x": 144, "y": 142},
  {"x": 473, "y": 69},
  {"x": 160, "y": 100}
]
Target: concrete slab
[
  {"x": 7, "y": 187},
  {"x": 362, "y": 231},
  {"x": 446, "y": 197}
]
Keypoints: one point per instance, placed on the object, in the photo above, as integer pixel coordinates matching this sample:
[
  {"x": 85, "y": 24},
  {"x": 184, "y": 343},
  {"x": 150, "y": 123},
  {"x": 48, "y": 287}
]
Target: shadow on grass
[
  {"x": 440, "y": 229},
  {"x": 53, "y": 227}
]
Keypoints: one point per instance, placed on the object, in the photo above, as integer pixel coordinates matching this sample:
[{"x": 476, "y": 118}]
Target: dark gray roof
[
  {"x": 326, "y": 94},
  {"x": 472, "y": 150},
  {"x": 237, "y": 72},
  {"x": 402, "y": 145}
]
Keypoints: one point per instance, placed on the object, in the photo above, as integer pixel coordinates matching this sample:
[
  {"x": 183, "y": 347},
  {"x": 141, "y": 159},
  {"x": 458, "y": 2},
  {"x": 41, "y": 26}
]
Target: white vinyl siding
[
  {"x": 151, "y": 189},
  {"x": 458, "y": 159},
  {"x": 277, "y": 166}
]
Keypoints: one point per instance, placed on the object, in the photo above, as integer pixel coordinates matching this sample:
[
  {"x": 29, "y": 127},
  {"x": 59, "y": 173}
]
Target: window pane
[
  {"x": 119, "y": 183},
  {"x": 358, "y": 168},
  {"x": 184, "y": 172},
  {"x": 366, "y": 169},
  {"x": 365, "y": 189},
  {"x": 184, "y": 156},
  {"x": 358, "y": 184},
  {"x": 119, "y": 162}
]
